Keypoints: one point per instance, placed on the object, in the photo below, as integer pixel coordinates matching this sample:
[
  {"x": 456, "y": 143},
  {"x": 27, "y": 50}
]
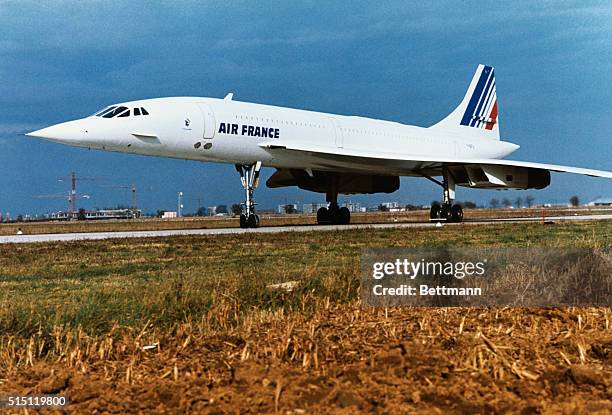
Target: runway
[{"x": 67, "y": 237}]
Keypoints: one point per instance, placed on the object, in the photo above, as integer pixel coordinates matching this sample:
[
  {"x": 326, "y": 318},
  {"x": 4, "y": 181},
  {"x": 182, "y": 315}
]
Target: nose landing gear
[{"x": 249, "y": 177}]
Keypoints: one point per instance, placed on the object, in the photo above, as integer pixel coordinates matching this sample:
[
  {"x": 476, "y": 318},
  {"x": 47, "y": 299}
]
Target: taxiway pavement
[{"x": 66, "y": 237}]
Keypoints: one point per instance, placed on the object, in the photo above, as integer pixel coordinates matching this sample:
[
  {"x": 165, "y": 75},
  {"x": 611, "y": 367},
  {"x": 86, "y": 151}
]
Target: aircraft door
[
  {"x": 209, "y": 120},
  {"x": 339, "y": 136}
]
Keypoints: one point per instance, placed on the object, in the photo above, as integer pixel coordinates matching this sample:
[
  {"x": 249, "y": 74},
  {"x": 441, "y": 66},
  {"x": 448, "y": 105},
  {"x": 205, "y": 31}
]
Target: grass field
[{"x": 75, "y": 317}]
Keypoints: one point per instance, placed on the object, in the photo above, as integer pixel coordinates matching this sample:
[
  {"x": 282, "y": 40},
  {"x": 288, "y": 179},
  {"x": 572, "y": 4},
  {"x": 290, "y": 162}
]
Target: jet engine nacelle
[
  {"x": 346, "y": 183},
  {"x": 501, "y": 177}
]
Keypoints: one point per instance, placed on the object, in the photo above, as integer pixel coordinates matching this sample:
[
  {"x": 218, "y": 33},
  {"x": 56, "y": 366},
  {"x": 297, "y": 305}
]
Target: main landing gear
[
  {"x": 447, "y": 211},
  {"x": 249, "y": 176},
  {"x": 333, "y": 214}
]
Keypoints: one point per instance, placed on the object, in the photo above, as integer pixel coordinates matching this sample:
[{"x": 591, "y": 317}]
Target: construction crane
[
  {"x": 131, "y": 187},
  {"x": 198, "y": 201},
  {"x": 73, "y": 193}
]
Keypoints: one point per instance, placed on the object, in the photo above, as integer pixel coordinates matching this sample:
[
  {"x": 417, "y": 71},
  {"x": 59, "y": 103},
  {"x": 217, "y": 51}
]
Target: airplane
[{"x": 321, "y": 152}]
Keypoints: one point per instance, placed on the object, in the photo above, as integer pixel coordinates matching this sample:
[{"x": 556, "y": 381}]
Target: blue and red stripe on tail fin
[
  {"x": 481, "y": 111},
  {"x": 477, "y": 115}
]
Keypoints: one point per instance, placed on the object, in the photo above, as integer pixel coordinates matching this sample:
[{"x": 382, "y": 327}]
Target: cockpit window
[
  {"x": 114, "y": 112},
  {"x": 117, "y": 111},
  {"x": 102, "y": 111},
  {"x": 105, "y": 110}
]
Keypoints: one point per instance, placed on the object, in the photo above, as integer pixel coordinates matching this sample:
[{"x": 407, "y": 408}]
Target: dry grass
[{"x": 76, "y": 318}]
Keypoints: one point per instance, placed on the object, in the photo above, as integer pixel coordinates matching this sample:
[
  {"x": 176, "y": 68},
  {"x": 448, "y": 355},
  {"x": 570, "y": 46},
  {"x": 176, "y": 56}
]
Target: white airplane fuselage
[
  {"x": 227, "y": 131},
  {"x": 319, "y": 152}
]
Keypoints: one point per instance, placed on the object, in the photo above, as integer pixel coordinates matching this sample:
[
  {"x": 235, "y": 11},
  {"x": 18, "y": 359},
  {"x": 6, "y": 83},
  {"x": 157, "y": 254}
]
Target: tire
[
  {"x": 253, "y": 221},
  {"x": 445, "y": 213},
  {"x": 243, "y": 221},
  {"x": 323, "y": 216},
  {"x": 434, "y": 212},
  {"x": 457, "y": 213},
  {"x": 344, "y": 216}
]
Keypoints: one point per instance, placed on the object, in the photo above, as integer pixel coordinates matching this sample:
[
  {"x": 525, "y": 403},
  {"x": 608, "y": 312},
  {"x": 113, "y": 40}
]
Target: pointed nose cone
[
  {"x": 46, "y": 133},
  {"x": 71, "y": 132}
]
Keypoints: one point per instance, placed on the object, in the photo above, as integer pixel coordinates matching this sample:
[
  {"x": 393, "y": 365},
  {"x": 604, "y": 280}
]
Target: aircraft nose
[{"x": 71, "y": 132}]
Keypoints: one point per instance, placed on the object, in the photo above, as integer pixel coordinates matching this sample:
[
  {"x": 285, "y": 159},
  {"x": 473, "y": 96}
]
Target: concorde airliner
[{"x": 326, "y": 153}]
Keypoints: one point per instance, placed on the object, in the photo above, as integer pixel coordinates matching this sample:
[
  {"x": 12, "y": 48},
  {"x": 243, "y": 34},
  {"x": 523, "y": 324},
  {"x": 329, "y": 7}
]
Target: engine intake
[{"x": 490, "y": 176}]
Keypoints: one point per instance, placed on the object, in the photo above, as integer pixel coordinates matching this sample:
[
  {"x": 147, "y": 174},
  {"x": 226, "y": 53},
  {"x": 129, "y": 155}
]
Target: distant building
[
  {"x": 103, "y": 214},
  {"x": 391, "y": 205},
  {"x": 169, "y": 215},
  {"x": 312, "y": 207},
  {"x": 353, "y": 206},
  {"x": 288, "y": 208},
  {"x": 607, "y": 201},
  {"x": 60, "y": 215}
]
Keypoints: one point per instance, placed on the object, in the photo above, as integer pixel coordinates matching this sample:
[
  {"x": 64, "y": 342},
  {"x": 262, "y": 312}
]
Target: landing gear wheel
[
  {"x": 323, "y": 216},
  {"x": 344, "y": 216},
  {"x": 445, "y": 212},
  {"x": 457, "y": 213},
  {"x": 434, "y": 212},
  {"x": 243, "y": 221},
  {"x": 442, "y": 212},
  {"x": 253, "y": 221}
]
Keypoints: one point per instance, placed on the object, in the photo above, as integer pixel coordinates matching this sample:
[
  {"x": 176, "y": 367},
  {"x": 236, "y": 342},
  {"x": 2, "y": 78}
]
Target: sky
[{"x": 400, "y": 61}]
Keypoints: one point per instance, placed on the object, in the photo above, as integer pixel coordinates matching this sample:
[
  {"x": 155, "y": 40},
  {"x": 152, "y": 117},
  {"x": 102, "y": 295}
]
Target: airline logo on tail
[{"x": 481, "y": 111}]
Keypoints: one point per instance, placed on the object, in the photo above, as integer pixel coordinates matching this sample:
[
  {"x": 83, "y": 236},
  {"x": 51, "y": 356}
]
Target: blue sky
[{"x": 411, "y": 63}]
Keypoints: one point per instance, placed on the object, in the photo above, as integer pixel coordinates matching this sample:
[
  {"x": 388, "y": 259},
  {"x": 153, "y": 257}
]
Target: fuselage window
[
  {"x": 136, "y": 111},
  {"x": 144, "y": 111},
  {"x": 115, "y": 111},
  {"x": 124, "y": 114}
]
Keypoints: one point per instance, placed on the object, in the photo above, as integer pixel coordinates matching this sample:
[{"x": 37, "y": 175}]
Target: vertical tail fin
[{"x": 477, "y": 114}]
